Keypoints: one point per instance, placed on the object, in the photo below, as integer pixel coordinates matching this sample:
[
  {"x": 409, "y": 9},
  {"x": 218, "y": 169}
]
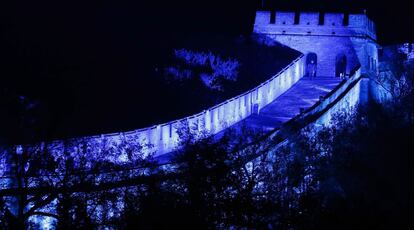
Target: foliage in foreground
[{"x": 354, "y": 174}]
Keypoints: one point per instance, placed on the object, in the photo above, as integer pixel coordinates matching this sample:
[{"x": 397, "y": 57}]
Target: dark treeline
[{"x": 354, "y": 174}]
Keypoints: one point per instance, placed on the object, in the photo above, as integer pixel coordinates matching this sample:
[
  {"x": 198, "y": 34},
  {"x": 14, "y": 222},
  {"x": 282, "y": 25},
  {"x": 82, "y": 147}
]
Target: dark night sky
[{"x": 62, "y": 43}]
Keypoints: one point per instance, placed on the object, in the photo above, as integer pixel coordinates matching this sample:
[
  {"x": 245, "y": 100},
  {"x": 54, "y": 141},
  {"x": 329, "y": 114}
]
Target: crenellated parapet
[
  {"x": 314, "y": 23},
  {"x": 329, "y": 36}
]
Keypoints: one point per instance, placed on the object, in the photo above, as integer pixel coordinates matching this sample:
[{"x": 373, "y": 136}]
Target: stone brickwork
[{"x": 328, "y": 35}]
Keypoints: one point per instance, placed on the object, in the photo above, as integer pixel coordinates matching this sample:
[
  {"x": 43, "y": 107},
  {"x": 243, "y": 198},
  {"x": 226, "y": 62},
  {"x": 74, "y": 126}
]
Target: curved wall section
[{"x": 165, "y": 138}]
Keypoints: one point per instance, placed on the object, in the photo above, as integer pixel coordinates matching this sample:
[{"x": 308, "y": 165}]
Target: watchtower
[{"x": 337, "y": 42}]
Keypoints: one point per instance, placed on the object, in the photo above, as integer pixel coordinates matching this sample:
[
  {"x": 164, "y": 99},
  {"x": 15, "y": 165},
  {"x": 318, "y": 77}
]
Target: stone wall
[
  {"x": 328, "y": 38},
  {"x": 348, "y": 94},
  {"x": 347, "y": 97},
  {"x": 165, "y": 138},
  {"x": 326, "y": 48}
]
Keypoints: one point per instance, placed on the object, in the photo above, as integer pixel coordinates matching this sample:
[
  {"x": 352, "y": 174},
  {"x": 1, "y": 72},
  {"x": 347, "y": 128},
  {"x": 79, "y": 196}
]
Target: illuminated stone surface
[
  {"x": 303, "y": 94},
  {"x": 278, "y": 100},
  {"x": 328, "y": 38}
]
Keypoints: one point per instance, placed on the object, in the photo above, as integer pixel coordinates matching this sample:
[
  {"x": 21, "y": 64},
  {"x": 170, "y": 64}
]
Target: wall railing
[
  {"x": 344, "y": 94},
  {"x": 164, "y": 138}
]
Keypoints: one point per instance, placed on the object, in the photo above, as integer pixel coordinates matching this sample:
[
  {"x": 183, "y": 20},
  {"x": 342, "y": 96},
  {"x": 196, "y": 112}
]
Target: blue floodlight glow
[{"x": 126, "y": 149}]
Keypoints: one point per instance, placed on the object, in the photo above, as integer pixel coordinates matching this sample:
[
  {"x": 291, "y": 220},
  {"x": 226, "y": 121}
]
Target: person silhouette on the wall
[{"x": 312, "y": 69}]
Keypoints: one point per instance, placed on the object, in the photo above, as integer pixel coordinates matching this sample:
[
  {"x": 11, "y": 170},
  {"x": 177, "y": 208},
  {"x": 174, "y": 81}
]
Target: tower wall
[
  {"x": 309, "y": 19},
  {"x": 284, "y": 18},
  {"x": 326, "y": 48},
  {"x": 328, "y": 38}
]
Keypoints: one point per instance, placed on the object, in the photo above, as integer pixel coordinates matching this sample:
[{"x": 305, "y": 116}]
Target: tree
[
  {"x": 60, "y": 173},
  {"x": 360, "y": 178},
  {"x": 396, "y": 74}
]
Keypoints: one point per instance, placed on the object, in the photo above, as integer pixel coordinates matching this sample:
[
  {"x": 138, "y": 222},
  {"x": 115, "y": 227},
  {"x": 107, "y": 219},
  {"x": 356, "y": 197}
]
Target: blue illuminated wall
[
  {"x": 356, "y": 40},
  {"x": 165, "y": 138},
  {"x": 347, "y": 97}
]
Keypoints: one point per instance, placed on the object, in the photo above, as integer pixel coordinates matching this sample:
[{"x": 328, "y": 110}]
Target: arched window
[{"x": 311, "y": 64}]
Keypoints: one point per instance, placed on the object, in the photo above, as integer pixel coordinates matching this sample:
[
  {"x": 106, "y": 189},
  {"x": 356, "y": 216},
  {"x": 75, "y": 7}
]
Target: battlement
[{"x": 314, "y": 23}]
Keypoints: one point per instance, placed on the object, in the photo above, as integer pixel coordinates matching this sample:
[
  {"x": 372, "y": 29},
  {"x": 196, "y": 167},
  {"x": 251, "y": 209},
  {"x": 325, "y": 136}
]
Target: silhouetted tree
[{"x": 359, "y": 173}]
